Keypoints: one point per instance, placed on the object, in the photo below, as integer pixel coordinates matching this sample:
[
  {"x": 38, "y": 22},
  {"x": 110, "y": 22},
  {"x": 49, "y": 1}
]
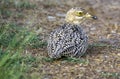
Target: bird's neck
[{"x": 74, "y": 22}]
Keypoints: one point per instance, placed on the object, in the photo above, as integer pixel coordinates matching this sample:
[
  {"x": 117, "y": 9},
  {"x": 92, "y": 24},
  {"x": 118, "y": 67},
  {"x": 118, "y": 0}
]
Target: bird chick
[{"x": 69, "y": 39}]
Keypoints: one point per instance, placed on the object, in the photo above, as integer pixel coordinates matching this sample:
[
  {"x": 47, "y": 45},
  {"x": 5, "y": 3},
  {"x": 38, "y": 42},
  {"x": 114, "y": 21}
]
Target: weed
[
  {"x": 6, "y": 7},
  {"x": 76, "y": 60},
  {"x": 99, "y": 45},
  {"x": 67, "y": 59},
  {"x": 13, "y": 41},
  {"x": 47, "y": 59},
  {"x": 24, "y": 4},
  {"x": 110, "y": 74},
  {"x": 37, "y": 42}
]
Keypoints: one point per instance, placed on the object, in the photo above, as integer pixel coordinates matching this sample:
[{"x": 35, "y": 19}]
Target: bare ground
[{"x": 102, "y": 60}]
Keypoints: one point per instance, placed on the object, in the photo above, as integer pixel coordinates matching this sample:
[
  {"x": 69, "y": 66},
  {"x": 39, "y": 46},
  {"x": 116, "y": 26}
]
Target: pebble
[
  {"x": 51, "y": 18},
  {"x": 60, "y": 14},
  {"x": 113, "y": 31},
  {"x": 118, "y": 54},
  {"x": 92, "y": 33},
  {"x": 98, "y": 70},
  {"x": 93, "y": 28}
]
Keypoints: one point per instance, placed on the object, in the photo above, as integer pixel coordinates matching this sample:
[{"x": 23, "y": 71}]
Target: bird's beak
[
  {"x": 90, "y": 16},
  {"x": 94, "y": 17}
]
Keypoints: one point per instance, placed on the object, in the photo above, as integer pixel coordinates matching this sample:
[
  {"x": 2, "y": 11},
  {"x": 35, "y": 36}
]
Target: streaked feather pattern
[{"x": 67, "y": 40}]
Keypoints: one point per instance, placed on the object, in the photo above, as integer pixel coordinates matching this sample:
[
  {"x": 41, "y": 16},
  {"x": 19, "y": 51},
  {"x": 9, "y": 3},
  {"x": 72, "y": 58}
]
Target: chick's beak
[
  {"x": 91, "y": 16},
  {"x": 94, "y": 17}
]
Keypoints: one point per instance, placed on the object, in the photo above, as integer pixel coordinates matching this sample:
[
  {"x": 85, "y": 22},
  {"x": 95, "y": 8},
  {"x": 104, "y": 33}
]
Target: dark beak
[{"x": 94, "y": 17}]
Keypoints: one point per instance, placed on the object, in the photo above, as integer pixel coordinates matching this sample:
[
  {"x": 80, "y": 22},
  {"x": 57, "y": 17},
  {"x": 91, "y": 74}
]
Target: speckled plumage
[{"x": 67, "y": 40}]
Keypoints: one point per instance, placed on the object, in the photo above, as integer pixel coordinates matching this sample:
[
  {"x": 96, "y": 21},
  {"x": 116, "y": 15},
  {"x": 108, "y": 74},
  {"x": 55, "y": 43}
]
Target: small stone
[
  {"x": 92, "y": 33},
  {"x": 118, "y": 54},
  {"x": 113, "y": 31},
  {"x": 106, "y": 56},
  {"x": 51, "y": 18},
  {"x": 60, "y": 14},
  {"x": 98, "y": 70},
  {"x": 93, "y": 28}
]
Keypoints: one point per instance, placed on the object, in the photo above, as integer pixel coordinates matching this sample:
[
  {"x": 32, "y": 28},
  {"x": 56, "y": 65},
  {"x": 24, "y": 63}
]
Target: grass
[
  {"x": 7, "y": 7},
  {"x": 12, "y": 44},
  {"x": 13, "y": 41},
  {"x": 24, "y": 4},
  {"x": 67, "y": 59},
  {"x": 100, "y": 45},
  {"x": 76, "y": 60},
  {"x": 37, "y": 42},
  {"x": 18, "y": 4},
  {"x": 14, "y": 66},
  {"x": 110, "y": 74}
]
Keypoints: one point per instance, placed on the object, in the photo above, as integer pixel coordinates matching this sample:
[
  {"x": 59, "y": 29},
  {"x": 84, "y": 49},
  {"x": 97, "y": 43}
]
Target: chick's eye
[{"x": 80, "y": 13}]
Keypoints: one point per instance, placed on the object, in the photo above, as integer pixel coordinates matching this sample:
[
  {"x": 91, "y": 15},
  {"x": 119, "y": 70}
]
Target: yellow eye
[{"x": 80, "y": 13}]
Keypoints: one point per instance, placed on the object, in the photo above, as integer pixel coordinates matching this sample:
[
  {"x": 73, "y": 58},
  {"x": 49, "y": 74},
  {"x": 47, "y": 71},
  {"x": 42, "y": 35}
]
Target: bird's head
[{"x": 78, "y": 15}]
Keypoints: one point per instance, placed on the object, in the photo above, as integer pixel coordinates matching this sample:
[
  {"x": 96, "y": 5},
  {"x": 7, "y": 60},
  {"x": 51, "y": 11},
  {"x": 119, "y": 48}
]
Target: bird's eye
[{"x": 80, "y": 13}]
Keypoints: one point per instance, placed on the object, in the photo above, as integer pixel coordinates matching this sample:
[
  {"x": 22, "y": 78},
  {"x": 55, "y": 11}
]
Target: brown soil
[{"x": 100, "y": 62}]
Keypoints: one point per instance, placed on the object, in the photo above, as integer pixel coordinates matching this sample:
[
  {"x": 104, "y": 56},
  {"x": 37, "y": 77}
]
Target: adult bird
[{"x": 69, "y": 39}]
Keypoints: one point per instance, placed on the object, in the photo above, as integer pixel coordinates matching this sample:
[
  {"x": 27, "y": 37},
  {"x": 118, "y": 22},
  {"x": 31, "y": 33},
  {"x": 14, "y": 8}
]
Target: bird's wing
[{"x": 66, "y": 40}]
